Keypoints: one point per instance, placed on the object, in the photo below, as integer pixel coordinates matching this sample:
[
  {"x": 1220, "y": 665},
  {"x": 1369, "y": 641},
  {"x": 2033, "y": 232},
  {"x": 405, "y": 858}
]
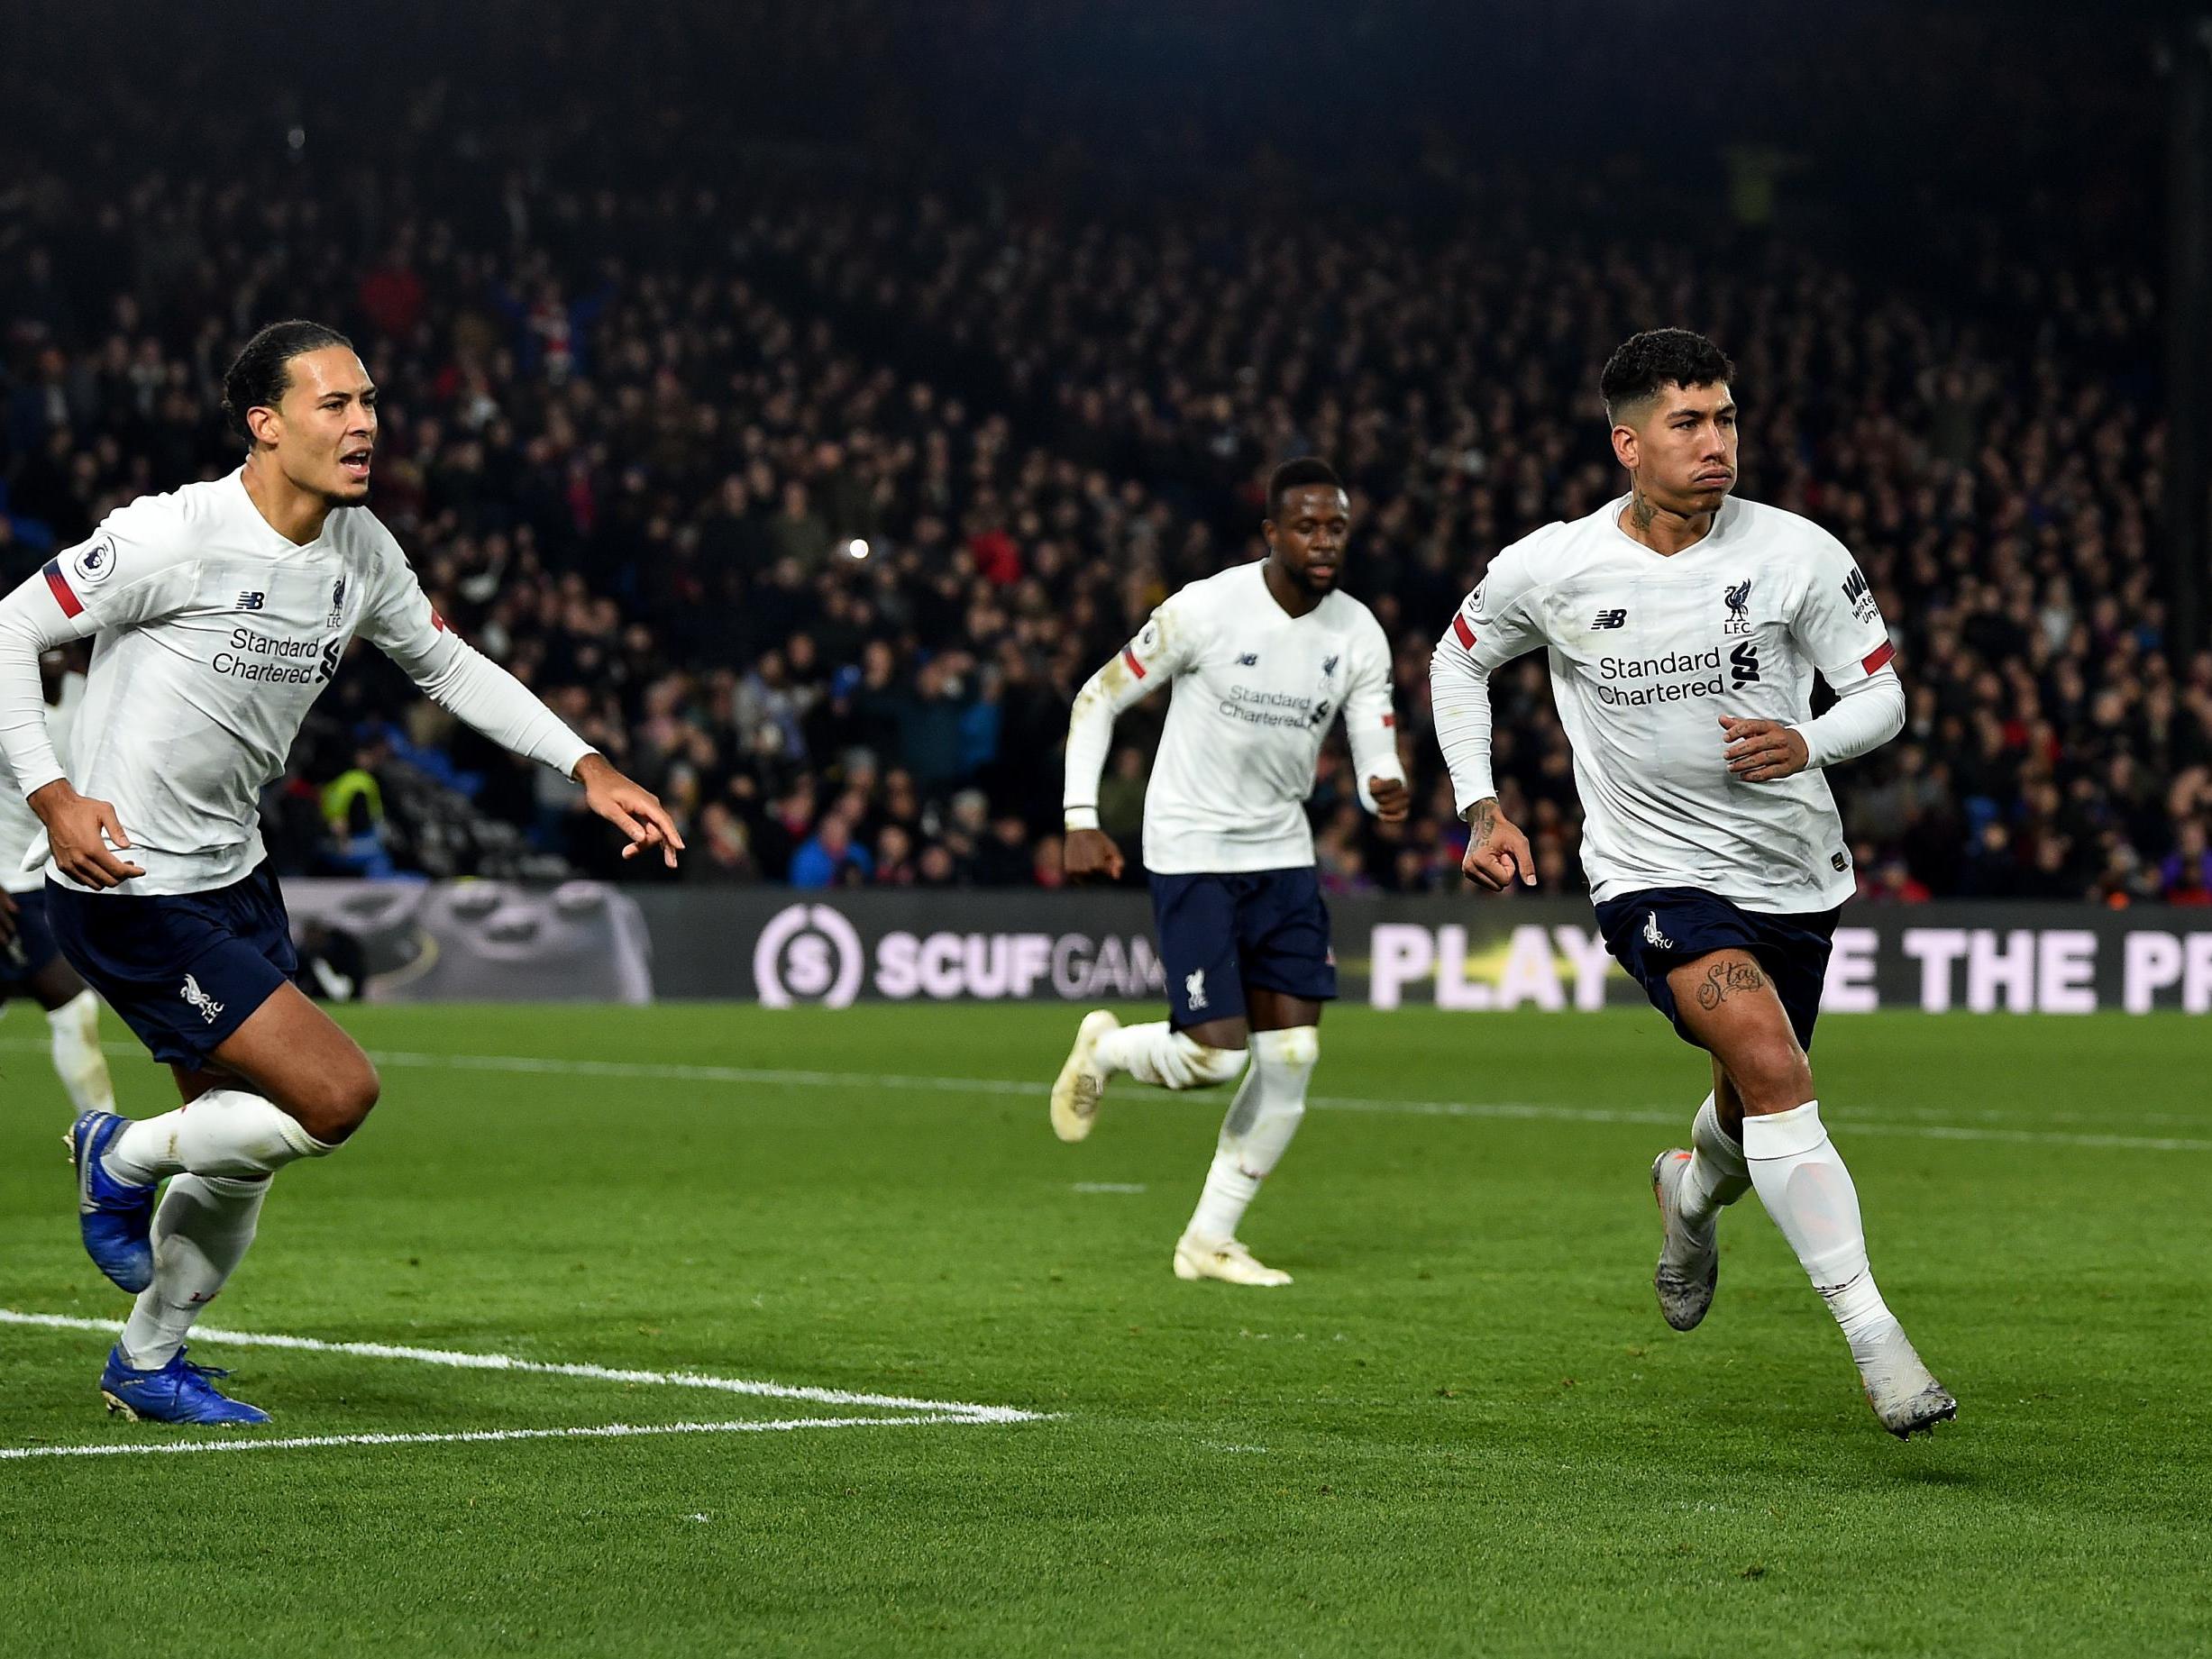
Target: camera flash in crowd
[{"x": 857, "y": 548}]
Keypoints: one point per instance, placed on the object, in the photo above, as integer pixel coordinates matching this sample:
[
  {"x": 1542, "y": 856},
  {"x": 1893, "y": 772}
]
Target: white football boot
[
  {"x": 1689, "y": 1263},
  {"x": 1903, "y": 1392},
  {"x": 1082, "y": 1082},
  {"x": 1224, "y": 1259}
]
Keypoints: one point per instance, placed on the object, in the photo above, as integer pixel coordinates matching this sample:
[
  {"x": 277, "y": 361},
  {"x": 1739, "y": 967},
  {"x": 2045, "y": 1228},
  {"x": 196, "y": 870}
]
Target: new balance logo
[
  {"x": 1195, "y": 989},
  {"x": 207, "y": 1006},
  {"x": 1250, "y": 660},
  {"x": 1742, "y": 666},
  {"x": 1653, "y": 938},
  {"x": 251, "y": 601},
  {"x": 1609, "y": 619}
]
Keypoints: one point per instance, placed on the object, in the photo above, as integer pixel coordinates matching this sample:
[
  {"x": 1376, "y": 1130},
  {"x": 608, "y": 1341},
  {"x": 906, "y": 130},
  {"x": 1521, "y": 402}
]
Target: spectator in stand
[{"x": 828, "y": 858}]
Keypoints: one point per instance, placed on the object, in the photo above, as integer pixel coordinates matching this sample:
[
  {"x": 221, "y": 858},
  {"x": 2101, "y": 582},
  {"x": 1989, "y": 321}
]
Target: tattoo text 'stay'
[{"x": 1724, "y": 980}]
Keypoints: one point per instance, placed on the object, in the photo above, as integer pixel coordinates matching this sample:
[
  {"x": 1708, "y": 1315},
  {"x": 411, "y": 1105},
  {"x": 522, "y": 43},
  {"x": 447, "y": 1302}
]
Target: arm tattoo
[
  {"x": 1482, "y": 817},
  {"x": 1723, "y": 979}
]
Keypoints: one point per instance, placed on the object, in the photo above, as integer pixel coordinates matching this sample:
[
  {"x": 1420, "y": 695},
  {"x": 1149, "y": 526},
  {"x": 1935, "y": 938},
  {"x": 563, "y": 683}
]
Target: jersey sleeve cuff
[
  {"x": 1814, "y": 759},
  {"x": 1080, "y": 818}
]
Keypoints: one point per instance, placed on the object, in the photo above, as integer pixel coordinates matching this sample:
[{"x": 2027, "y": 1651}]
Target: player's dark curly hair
[
  {"x": 1296, "y": 475},
  {"x": 1660, "y": 357},
  {"x": 263, "y": 371}
]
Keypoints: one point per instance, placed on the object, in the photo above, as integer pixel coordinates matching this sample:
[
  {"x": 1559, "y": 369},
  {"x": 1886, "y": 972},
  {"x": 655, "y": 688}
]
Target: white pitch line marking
[
  {"x": 1109, "y": 1185},
  {"x": 598, "y": 1431},
  {"x": 1522, "y": 1110},
  {"x": 507, "y": 1361}
]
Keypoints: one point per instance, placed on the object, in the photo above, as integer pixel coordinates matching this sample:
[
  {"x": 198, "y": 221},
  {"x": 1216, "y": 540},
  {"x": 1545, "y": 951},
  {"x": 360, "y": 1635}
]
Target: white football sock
[
  {"x": 225, "y": 1132},
  {"x": 1717, "y": 1176},
  {"x": 1261, "y": 1120},
  {"x": 1169, "y": 1059},
  {"x": 200, "y": 1234},
  {"x": 78, "y": 1060},
  {"x": 1803, "y": 1183}
]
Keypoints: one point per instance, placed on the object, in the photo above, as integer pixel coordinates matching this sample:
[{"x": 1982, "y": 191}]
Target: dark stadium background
[{"x": 671, "y": 305}]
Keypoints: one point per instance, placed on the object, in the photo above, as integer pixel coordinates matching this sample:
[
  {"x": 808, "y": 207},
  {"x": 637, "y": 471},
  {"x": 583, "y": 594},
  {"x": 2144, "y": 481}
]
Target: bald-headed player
[
  {"x": 1684, "y": 627},
  {"x": 1262, "y": 659},
  {"x": 217, "y": 614}
]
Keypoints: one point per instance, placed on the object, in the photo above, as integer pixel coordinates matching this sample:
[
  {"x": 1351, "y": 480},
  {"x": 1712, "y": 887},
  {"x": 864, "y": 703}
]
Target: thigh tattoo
[{"x": 1724, "y": 979}]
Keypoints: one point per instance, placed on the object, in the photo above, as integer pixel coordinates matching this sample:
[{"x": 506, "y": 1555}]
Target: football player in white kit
[
  {"x": 31, "y": 964},
  {"x": 218, "y": 613},
  {"x": 1684, "y": 629},
  {"x": 1262, "y": 658}
]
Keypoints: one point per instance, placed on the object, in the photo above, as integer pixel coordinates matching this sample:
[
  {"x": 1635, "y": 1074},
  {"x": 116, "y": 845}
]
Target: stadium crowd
[{"x": 813, "y": 510}]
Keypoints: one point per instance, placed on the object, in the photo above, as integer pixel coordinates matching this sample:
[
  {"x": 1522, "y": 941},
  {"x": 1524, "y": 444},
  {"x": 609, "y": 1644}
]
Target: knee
[
  {"x": 1207, "y": 1065},
  {"x": 1297, "y": 1049},
  {"x": 336, "y": 1103},
  {"x": 1772, "y": 1078}
]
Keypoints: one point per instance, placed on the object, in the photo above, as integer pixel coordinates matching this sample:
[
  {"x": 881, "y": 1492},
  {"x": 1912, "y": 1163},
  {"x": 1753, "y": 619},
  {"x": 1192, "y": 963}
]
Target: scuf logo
[
  {"x": 808, "y": 951},
  {"x": 207, "y": 1006}
]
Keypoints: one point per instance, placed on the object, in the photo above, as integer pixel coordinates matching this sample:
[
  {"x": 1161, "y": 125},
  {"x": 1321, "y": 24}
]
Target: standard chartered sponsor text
[
  {"x": 264, "y": 656},
  {"x": 1259, "y": 708},
  {"x": 1674, "y": 662}
]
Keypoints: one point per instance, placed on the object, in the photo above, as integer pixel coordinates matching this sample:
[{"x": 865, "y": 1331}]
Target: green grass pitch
[{"x": 1463, "y": 1430}]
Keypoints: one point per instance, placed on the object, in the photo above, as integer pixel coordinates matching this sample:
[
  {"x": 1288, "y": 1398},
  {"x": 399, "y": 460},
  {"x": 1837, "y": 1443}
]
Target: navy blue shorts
[
  {"x": 1264, "y": 928},
  {"x": 1659, "y": 929},
  {"x": 183, "y": 970},
  {"x": 34, "y": 948}
]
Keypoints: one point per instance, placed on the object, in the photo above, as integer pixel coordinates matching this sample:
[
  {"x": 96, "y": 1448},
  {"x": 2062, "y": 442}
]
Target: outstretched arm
[{"x": 456, "y": 676}]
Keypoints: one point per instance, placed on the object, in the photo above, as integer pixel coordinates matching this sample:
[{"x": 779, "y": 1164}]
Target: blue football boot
[
  {"x": 179, "y": 1393},
  {"x": 114, "y": 1216}
]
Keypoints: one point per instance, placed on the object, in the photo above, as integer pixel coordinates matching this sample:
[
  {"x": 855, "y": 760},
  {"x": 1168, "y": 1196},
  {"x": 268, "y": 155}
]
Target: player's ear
[
  {"x": 1626, "y": 448},
  {"x": 262, "y": 421}
]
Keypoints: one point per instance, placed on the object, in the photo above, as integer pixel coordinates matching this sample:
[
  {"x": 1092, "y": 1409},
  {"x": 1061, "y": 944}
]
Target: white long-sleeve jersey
[
  {"x": 19, "y": 828},
  {"x": 1647, "y": 652},
  {"x": 214, "y": 635},
  {"x": 1255, "y": 690}
]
